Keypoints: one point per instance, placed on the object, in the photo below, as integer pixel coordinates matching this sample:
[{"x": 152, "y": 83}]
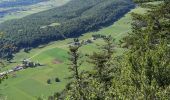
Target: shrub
[
  {"x": 49, "y": 81},
  {"x": 57, "y": 79}
]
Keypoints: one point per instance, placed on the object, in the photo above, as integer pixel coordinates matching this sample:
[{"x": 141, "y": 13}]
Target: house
[
  {"x": 3, "y": 73},
  {"x": 87, "y": 42},
  {"x": 75, "y": 44},
  {"x": 9, "y": 71},
  {"x": 17, "y": 68},
  {"x": 27, "y": 63}
]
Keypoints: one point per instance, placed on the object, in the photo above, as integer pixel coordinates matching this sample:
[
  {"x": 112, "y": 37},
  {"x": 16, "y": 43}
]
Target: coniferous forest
[{"x": 70, "y": 20}]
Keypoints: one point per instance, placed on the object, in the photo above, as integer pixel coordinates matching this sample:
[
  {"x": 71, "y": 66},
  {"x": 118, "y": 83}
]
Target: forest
[{"x": 70, "y": 20}]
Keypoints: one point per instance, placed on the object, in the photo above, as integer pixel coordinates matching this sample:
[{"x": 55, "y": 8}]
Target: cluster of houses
[
  {"x": 98, "y": 36},
  {"x": 88, "y": 41},
  {"x": 83, "y": 42},
  {"x": 26, "y": 63}
]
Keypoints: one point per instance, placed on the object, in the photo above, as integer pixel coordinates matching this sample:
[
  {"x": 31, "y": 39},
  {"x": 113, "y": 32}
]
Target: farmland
[
  {"x": 31, "y": 83},
  {"x": 20, "y": 8}
]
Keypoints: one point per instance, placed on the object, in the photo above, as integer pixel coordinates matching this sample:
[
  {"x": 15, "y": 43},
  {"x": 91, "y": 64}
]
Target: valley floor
[
  {"x": 31, "y": 83},
  {"x": 8, "y": 13}
]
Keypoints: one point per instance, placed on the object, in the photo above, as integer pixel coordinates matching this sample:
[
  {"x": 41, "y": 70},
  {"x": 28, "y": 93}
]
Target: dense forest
[
  {"x": 141, "y": 73},
  {"x": 70, "y": 20}
]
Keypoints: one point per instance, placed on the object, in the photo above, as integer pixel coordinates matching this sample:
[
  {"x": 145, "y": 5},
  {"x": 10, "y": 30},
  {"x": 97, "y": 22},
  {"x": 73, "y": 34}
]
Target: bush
[
  {"x": 57, "y": 79},
  {"x": 49, "y": 81}
]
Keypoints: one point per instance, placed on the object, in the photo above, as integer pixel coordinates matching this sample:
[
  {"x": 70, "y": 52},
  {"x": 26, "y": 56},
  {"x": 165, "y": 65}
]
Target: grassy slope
[{"x": 31, "y": 83}]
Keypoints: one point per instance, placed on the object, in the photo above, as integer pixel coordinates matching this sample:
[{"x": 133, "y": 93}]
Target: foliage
[
  {"x": 140, "y": 73},
  {"x": 74, "y": 65},
  {"x": 57, "y": 79},
  {"x": 74, "y": 18},
  {"x": 49, "y": 81}
]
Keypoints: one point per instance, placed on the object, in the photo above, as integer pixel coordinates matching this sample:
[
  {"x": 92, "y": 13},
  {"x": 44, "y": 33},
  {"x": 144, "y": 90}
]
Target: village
[
  {"x": 25, "y": 63},
  {"x": 88, "y": 41}
]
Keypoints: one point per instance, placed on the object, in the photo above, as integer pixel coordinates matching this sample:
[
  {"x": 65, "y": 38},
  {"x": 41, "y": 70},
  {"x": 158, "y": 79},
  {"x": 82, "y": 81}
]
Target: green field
[
  {"x": 31, "y": 9},
  {"x": 32, "y": 83}
]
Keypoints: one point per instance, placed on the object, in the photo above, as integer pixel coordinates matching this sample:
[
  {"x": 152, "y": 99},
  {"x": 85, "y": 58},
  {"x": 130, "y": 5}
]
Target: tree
[
  {"x": 102, "y": 61},
  {"x": 109, "y": 46},
  {"x": 74, "y": 65},
  {"x": 73, "y": 19},
  {"x": 2, "y": 77},
  {"x": 100, "y": 79},
  {"x": 74, "y": 58},
  {"x": 57, "y": 79},
  {"x": 49, "y": 81},
  {"x": 9, "y": 57},
  {"x": 147, "y": 62},
  {"x": 142, "y": 72}
]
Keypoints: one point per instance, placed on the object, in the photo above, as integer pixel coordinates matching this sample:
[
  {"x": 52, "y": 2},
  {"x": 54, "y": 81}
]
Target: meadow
[
  {"x": 20, "y": 8},
  {"x": 31, "y": 83}
]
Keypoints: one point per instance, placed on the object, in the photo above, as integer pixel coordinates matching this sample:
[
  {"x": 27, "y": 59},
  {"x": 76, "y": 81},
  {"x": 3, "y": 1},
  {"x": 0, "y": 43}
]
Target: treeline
[
  {"x": 141, "y": 73},
  {"x": 72, "y": 19}
]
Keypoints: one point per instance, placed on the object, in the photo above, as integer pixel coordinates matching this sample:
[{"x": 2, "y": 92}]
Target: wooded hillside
[
  {"x": 140, "y": 73},
  {"x": 70, "y": 20}
]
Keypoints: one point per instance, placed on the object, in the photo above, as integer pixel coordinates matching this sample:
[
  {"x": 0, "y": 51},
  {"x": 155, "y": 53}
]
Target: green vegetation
[
  {"x": 46, "y": 54},
  {"x": 75, "y": 18},
  {"x": 142, "y": 72},
  {"x": 32, "y": 82},
  {"x": 26, "y": 10}
]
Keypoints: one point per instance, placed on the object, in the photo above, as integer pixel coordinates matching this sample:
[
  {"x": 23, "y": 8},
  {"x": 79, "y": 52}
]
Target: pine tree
[
  {"x": 74, "y": 68},
  {"x": 2, "y": 65},
  {"x": 110, "y": 67},
  {"x": 74, "y": 59},
  {"x": 143, "y": 70},
  {"x": 109, "y": 46},
  {"x": 147, "y": 61}
]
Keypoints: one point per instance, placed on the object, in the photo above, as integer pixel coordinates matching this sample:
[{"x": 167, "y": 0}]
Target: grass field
[
  {"x": 30, "y": 9},
  {"x": 31, "y": 83}
]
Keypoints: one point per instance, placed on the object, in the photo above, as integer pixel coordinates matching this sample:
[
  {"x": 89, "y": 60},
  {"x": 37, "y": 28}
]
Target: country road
[
  {"x": 66, "y": 46},
  {"x": 45, "y": 50}
]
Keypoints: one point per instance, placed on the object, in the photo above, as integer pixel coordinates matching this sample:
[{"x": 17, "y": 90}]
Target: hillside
[
  {"x": 47, "y": 54},
  {"x": 70, "y": 20},
  {"x": 121, "y": 52}
]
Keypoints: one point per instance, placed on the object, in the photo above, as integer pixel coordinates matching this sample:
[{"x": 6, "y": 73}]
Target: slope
[
  {"x": 31, "y": 83},
  {"x": 70, "y": 20}
]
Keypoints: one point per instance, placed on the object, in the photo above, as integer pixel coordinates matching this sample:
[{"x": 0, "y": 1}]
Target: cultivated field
[
  {"x": 31, "y": 83},
  {"x": 19, "y": 11}
]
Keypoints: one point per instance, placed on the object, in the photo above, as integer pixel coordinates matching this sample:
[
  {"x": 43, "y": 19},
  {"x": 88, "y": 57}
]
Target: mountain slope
[
  {"x": 56, "y": 50},
  {"x": 70, "y": 20}
]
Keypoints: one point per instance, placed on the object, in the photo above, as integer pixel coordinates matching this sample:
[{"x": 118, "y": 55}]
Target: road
[
  {"x": 65, "y": 46},
  {"x": 46, "y": 50}
]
